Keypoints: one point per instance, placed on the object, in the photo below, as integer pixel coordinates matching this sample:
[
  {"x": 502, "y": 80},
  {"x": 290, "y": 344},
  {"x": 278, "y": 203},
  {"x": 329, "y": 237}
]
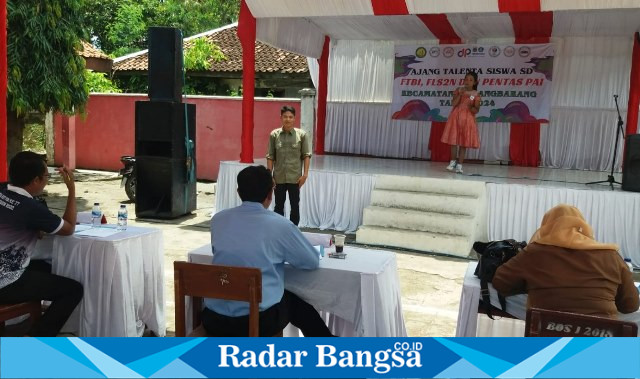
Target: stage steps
[{"x": 436, "y": 215}]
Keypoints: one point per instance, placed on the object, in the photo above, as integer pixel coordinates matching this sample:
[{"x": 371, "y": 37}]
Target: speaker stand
[{"x": 619, "y": 130}]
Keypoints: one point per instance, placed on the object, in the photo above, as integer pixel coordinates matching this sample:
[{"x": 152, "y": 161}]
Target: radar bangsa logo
[{"x": 402, "y": 355}]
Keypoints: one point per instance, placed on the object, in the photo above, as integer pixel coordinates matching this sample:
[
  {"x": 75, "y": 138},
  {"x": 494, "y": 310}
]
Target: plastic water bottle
[
  {"x": 96, "y": 215},
  {"x": 629, "y": 264},
  {"x": 122, "y": 217}
]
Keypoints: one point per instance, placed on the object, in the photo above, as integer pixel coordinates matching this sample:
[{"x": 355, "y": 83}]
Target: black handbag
[{"x": 492, "y": 255}]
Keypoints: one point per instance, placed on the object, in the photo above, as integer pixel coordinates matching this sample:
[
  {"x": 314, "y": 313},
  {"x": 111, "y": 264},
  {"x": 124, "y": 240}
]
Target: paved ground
[{"x": 430, "y": 285}]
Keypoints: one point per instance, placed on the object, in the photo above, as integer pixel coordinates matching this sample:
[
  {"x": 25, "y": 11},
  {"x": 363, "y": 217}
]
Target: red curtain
[
  {"x": 528, "y": 27},
  {"x": 247, "y": 36},
  {"x": 524, "y": 144},
  {"x": 532, "y": 27},
  {"x": 634, "y": 88},
  {"x": 440, "y": 151},
  {"x": 323, "y": 75}
]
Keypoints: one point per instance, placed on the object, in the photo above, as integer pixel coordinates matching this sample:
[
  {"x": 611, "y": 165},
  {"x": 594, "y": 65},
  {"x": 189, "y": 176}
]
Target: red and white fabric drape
[
  {"x": 315, "y": 8},
  {"x": 528, "y": 27}
]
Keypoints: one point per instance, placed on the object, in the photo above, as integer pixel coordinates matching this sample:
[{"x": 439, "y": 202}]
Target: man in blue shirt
[
  {"x": 22, "y": 219},
  {"x": 252, "y": 236}
]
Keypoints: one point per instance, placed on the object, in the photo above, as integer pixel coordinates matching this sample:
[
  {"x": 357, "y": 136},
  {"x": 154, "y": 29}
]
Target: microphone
[{"x": 615, "y": 96}]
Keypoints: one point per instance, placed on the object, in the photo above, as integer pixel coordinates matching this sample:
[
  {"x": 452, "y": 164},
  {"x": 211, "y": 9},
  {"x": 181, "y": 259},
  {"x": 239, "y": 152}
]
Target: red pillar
[
  {"x": 323, "y": 75},
  {"x": 634, "y": 88},
  {"x": 3, "y": 90},
  {"x": 247, "y": 35},
  {"x": 69, "y": 141},
  {"x": 529, "y": 27}
]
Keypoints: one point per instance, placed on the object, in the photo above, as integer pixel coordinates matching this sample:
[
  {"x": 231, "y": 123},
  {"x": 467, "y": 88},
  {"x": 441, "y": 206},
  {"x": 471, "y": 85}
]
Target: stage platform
[
  {"x": 340, "y": 187},
  {"x": 488, "y": 173}
]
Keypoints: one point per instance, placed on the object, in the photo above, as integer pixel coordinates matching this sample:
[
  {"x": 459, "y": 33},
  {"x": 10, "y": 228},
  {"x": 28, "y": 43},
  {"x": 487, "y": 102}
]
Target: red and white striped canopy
[
  {"x": 308, "y": 26},
  {"x": 345, "y": 8},
  {"x": 300, "y": 25}
]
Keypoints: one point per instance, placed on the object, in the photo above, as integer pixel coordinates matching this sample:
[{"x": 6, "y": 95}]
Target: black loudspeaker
[
  {"x": 161, "y": 128},
  {"x": 163, "y": 186},
  {"x": 631, "y": 164},
  {"x": 162, "y": 189},
  {"x": 165, "y": 64}
]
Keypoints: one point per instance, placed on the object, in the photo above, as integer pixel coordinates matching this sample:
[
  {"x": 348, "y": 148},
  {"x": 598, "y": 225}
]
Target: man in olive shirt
[{"x": 288, "y": 149}]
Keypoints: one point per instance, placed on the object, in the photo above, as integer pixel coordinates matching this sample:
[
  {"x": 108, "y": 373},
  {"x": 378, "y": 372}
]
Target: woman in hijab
[{"x": 565, "y": 269}]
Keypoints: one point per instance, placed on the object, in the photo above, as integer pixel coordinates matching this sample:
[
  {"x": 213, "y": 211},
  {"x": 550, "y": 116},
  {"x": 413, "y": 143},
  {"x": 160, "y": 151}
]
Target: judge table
[
  {"x": 359, "y": 295},
  {"x": 468, "y": 326},
  {"x": 123, "y": 279}
]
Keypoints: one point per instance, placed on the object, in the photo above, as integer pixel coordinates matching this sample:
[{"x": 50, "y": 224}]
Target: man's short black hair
[
  {"x": 26, "y": 166},
  {"x": 287, "y": 108},
  {"x": 254, "y": 183}
]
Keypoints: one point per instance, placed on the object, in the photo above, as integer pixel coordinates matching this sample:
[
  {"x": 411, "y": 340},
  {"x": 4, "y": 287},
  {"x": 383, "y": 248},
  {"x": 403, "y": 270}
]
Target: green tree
[
  {"x": 120, "y": 26},
  {"x": 200, "y": 54},
  {"x": 194, "y": 17},
  {"x": 98, "y": 82},
  {"x": 128, "y": 30},
  {"x": 45, "y": 72},
  {"x": 98, "y": 15}
]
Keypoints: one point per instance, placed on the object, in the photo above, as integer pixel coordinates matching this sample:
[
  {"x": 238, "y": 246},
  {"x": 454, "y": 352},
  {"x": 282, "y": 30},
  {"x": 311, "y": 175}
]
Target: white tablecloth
[
  {"x": 328, "y": 200},
  {"x": 516, "y": 306},
  {"x": 515, "y": 211},
  {"x": 123, "y": 280},
  {"x": 361, "y": 292}
]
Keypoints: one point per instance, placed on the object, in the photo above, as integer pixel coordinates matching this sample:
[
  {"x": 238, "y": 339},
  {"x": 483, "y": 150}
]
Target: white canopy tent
[{"x": 594, "y": 55}]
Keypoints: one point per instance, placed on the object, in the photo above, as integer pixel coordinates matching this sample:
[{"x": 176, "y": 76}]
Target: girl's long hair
[{"x": 474, "y": 75}]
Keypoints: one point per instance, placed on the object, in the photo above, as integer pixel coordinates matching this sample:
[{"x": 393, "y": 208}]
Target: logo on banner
[
  {"x": 471, "y": 52},
  {"x": 509, "y": 51},
  {"x": 524, "y": 51},
  {"x": 494, "y": 51},
  {"x": 434, "y": 52},
  {"x": 448, "y": 52},
  {"x": 421, "y": 52}
]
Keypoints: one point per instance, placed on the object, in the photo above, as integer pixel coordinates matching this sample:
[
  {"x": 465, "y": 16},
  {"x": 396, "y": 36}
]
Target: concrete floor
[{"x": 430, "y": 285}]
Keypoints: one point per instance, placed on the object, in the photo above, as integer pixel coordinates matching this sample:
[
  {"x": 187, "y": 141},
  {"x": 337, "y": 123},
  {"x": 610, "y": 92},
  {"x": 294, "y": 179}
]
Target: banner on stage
[
  {"x": 514, "y": 81},
  {"x": 319, "y": 357}
]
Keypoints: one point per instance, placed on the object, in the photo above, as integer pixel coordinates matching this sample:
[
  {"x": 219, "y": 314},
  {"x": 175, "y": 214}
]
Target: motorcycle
[{"x": 128, "y": 176}]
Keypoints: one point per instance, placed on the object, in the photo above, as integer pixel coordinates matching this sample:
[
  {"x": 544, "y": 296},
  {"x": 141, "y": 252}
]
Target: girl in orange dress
[{"x": 461, "y": 131}]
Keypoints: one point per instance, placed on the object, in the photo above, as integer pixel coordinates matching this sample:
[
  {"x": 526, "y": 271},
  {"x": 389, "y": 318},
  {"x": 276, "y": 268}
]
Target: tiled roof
[
  {"x": 88, "y": 51},
  {"x": 268, "y": 58}
]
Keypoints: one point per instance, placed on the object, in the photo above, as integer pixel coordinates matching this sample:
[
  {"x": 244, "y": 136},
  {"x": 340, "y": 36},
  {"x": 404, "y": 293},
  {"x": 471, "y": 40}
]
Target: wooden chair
[
  {"x": 546, "y": 323},
  {"x": 9, "y": 311},
  {"x": 219, "y": 282}
]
